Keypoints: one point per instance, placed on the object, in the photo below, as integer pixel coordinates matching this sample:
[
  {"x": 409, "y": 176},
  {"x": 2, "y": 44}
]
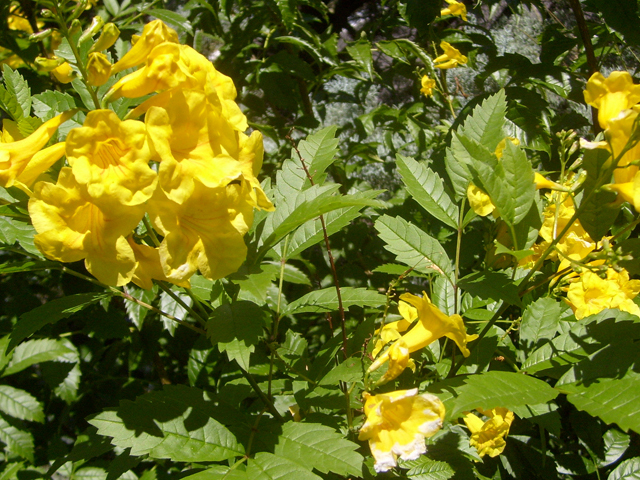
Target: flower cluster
[{"x": 188, "y": 166}]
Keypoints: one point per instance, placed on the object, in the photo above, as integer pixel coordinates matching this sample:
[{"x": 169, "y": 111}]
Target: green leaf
[
  {"x": 90, "y": 473},
  {"x": 170, "y": 306},
  {"x": 136, "y": 312},
  {"x": 539, "y": 322},
  {"x": 627, "y": 470},
  {"x": 63, "y": 378},
  {"x": 20, "y": 404},
  {"x": 361, "y": 53},
  {"x": 319, "y": 447},
  {"x": 17, "y": 441},
  {"x": 27, "y": 266},
  {"x": 419, "y": 14},
  {"x": 616, "y": 444},
  {"x": 217, "y": 472},
  {"x": 87, "y": 446},
  {"x": 172, "y": 18},
  {"x": 596, "y": 213},
  {"x": 9, "y": 104},
  {"x": 286, "y": 12},
  {"x": 11, "y": 470},
  {"x": 50, "y": 103},
  {"x": 489, "y": 390},
  {"x": 17, "y": 87},
  {"x": 326, "y": 300},
  {"x": 52, "y": 312},
  {"x": 36, "y": 351},
  {"x": 176, "y": 423},
  {"x": 489, "y": 285},
  {"x": 413, "y": 247},
  {"x": 350, "y": 370},
  {"x": 237, "y": 329},
  {"x": 427, "y": 188},
  {"x": 254, "y": 284},
  {"x": 427, "y": 469},
  {"x": 292, "y": 274},
  {"x": 201, "y": 287},
  {"x": 267, "y": 466},
  {"x": 486, "y": 123},
  {"x": 13, "y": 230}
]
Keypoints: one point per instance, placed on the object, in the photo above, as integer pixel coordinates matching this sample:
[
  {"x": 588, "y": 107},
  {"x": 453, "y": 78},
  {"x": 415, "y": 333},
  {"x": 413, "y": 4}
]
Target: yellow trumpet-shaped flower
[
  {"x": 432, "y": 324},
  {"x": 153, "y": 34},
  {"x": 205, "y": 232},
  {"x": 64, "y": 73},
  {"x": 108, "y": 37},
  {"x": 590, "y": 294},
  {"x": 489, "y": 437},
  {"x": 428, "y": 84},
  {"x": 620, "y": 130},
  {"x": 111, "y": 157},
  {"x": 397, "y": 424},
  {"x": 71, "y": 226},
  {"x": 98, "y": 69},
  {"x": 456, "y": 9},
  {"x": 15, "y": 156},
  {"x": 628, "y": 191},
  {"x": 611, "y": 95},
  {"x": 149, "y": 267},
  {"x": 450, "y": 58},
  {"x": 392, "y": 331}
]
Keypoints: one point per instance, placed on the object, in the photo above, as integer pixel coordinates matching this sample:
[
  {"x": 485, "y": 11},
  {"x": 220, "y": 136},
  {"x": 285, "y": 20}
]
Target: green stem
[
  {"x": 256, "y": 388},
  {"x": 458, "y": 252},
  {"x": 182, "y": 303}
]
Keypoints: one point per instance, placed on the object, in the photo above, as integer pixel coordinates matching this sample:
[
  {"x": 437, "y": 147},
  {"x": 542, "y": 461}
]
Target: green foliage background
[{"x": 97, "y": 387}]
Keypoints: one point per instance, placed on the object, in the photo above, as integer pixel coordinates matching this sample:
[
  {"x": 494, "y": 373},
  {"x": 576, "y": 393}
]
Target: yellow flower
[
  {"x": 611, "y": 95},
  {"x": 64, "y": 73},
  {"x": 71, "y": 226},
  {"x": 450, "y": 58},
  {"x": 618, "y": 134},
  {"x": 591, "y": 294},
  {"x": 98, "y": 69},
  {"x": 456, "y": 9},
  {"x": 489, "y": 437},
  {"x": 397, "y": 424},
  {"x": 149, "y": 267},
  {"x": 15, "y": 156},
  {"x": 628, "y": 191},
  {"x": 154, "y": 33},
  {"x": 205, "y": 232},
  {"x": 432, "y": 324},
  {"x": 392, "y": 331},
  {"x": 111, "y": 158},
  {"x": 428, "y": 84},
  {"x": 108, "y": 37}
]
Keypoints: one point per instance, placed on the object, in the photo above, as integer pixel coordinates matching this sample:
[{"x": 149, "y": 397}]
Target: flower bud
[
  {"x": 64, "y": 73},
  {"x": 96, "y": 25},
  {"x": 45, "y": 65},
  {"x": 75, "y": 27},
  {"x": 108, "y": 37},
  {"x": 98, "y": 69},
  {"x": 38, "y": 36}
]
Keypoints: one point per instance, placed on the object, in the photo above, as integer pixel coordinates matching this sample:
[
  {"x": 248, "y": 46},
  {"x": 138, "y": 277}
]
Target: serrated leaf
[
  {"x": 236, "y": 329},
  {"x": 13, "y": 230},
  {"x": 627, "y": 470},
  {"x": 267, "y": 466},
  {"x": 90, "y": 473},
  {"x": 17, "y": 441},
  {"x": 217, "y": 472},
  {"x": 319, "y": 151},
  {"x": 63, "y": 378},
  {"x": 170, "y": 306},
  {"x": 539, "y": 322},
  {"x": 176, "y": 423},
  {"x": 20, "y": 404},
  {"x": 201, "y": 287},
  {"x": 489, "y": 390},
  {"x": 486, "y": 122},
  {"x": 326, "y": 300},
  {"x": 17, "y": 87},
  {"x": 427, "y": 188},
  {"x": 458, "y": 163},
  {"x": 136, "y": 312},
  {"x": 319, "y": 447},
  {"x": 285, "y": 10},
  {"x": 9, "y": 104},
  {"x": 36, "y": 351},
  {"x": 350, "y": 370},
  {"x": 28, "y": 125},
  {"x": 27, "y": 266},
  {"x": 413, "y": 247},
  {"x": 361, "y": 53},
  {"x": 52, "y": 312},
  {"x": 491, "y": 286},
  {"x": 50, "y": 103},
  {"x": 616, "y": 444},
  {"x": 172, "y": 18},
  {"x": 427, "y": 469}
]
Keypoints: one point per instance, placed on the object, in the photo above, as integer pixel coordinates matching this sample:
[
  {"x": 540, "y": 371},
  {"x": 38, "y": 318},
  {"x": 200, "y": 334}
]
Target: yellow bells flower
[
  {"x": 397, "y": 424},
  {"x": 428, "y": 84},
  {"x": 250, "y": 159},
  {"x": 149, "y": 267},
  {"x": 611, "y": 95},
  {"x": 153, "y": 34},
  {"x": 203, "y": 233},
  {"x": 399, "y": 359},
  {"x": 590, "y": 294},
  {"x": 111, "y": 157},
  {"x": 71, "y": 226},
  {"x": 98, "y": 69},
  {"x": 451, "y": 57},
  {"x": 392, "y": 331},
  {"x": 64, "y": 73},
  {"x": 620, "y": 130},
  {"x": 456, "y": 9},
  {"x": 108, "y": 37},
  {"x": 40, "y": 163},
  {"x": 628, "y": 191},
  {"x": 15, "y": 156},
  {"x": 556, "y": 216},
  {"x": 489, "y": 437},
  {"x": 432, "y": 324}
]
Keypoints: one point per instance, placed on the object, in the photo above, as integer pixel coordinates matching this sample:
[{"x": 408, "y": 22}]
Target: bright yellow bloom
[
  {"x": 64, "y": 73},
  {"x": 628, "y": 191},
  {"x": 456, "y": 9},
  {"x": 153, "y": 34},
  {"x": 149, "y": 267},
  {"x": 111, "y": 157},
  {"x": 591, "y": 294},
  {"x": 205, "y": 232},
  {"x": 611, "y": 95},
  {"x": 71, "y": 226},
  {"x": 450, "y": 58},
  {"x": 428, "y": 84},
  {"x": 618, "y": 135},
  {"x": 108, "y": 37},
  {"x": 40, "y": 163},
  {"x": 15, "y": 156},
  {"x": 489, "y": 437},
  {"x": 392, "y": 331},
  {"x": 432, "y": 324},
  {"x": 98, "y": 69},
  {"x": 397, "y": 424}
]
